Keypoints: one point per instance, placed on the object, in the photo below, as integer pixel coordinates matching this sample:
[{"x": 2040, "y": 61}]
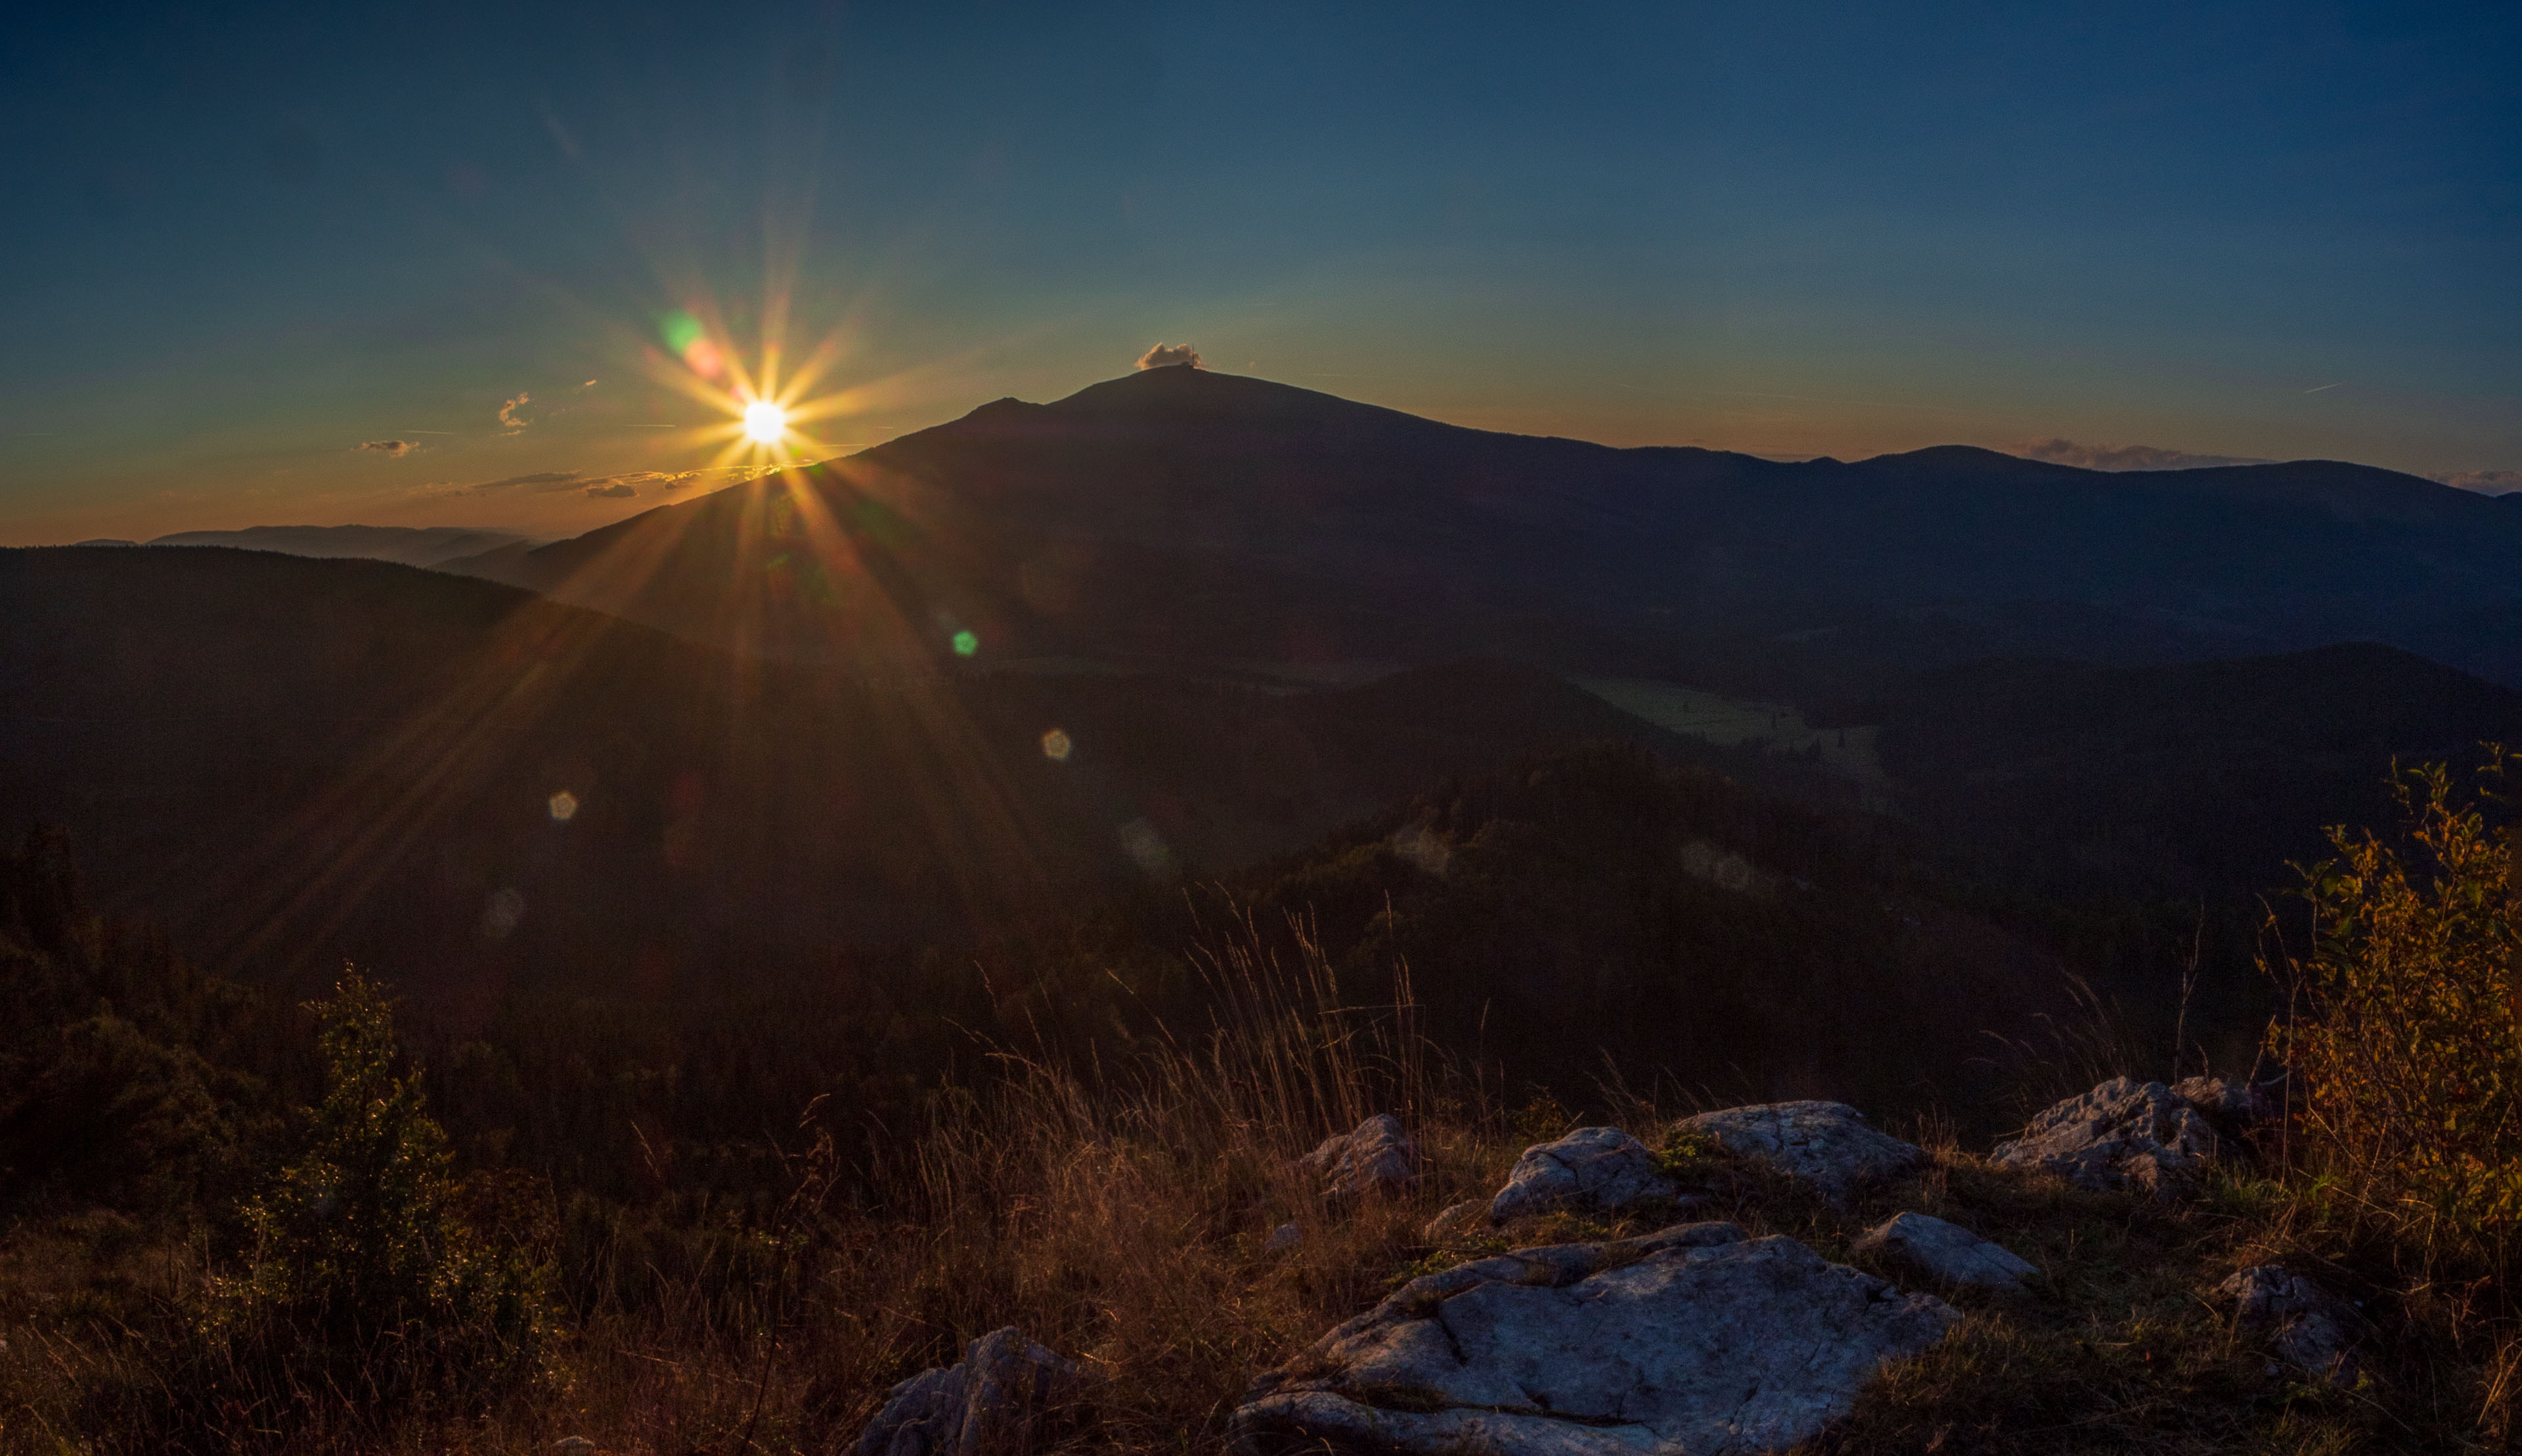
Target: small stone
[
  {"x": 2122, "y": 1134},
  {"x": 1378, "y": 1157},
  {"x": 1947, "y": 1252},
  {"x": 1827, "y": 1145},
  {"x": 1602, "y": 1168},
  {"x": 574, "y": 1445},
  {"x": 2310, "y": 1328},
  {"x": 1285, "y": 1237}
]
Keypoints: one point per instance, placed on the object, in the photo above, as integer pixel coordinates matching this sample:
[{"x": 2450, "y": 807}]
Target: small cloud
[
  {"x": 1164, "y": 354},
  {"x": 2126, "y": 457},
  {"x": 394, "y": 447},
  {"x": 617, "y": 490},
  {"x": 510, "y": 413},
  {"x": 590, "y": 384}
]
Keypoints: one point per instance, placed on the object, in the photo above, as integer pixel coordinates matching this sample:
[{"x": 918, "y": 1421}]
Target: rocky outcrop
[
  {"x": 1695, "y": 1340},
  {"x": 989, "y": 1403},
  {"x": 1827, "y": 1145},
  {"x": 1599, "y": 1168},
  {"x": 2123, "y": 1134},
  {"x": 2307, "y": 1326},
  {"x": 1378, "y": 1158},
  {"x": 1947, "y": 1252}
]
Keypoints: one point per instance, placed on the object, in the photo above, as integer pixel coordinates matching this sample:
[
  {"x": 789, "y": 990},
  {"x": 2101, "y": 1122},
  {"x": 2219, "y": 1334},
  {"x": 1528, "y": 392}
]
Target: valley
[{"x": 930, "y": 780}]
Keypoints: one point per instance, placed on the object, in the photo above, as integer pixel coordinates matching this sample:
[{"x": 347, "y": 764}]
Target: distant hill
[
  {"x": 1182, "y": 514},
  {"x": 411, "y": 546},
  {"x": 2179, "y": 778},
  {"x": 294, "y": 760},
  {"x": 1589, "y": 908}
]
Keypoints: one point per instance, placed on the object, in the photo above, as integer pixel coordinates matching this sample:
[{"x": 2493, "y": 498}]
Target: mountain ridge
[
  {"x": 1187, "y": 514},
  {"x": 410, "y": 546}
]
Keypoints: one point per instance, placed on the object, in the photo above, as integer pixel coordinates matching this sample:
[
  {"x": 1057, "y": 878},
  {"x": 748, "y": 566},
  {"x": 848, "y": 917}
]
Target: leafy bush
[
  {"x": 2404, "y": 1043},
  {"x": 362, "y": 1291}
]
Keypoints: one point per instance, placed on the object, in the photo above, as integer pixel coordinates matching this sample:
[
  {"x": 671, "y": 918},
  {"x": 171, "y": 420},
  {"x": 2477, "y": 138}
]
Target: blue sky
[{"x": 238, "y": 246}]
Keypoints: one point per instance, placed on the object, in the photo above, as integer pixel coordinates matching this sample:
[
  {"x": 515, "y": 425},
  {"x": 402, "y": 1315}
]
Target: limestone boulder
[
  {"x": 2123, "y": 1134},
  {"x": 1696, "y": 1340},
  {"x": 991, "y": 1402},
  {"x": 2305, "y": 1324},
  {"x": 1599, "y": 1168},
  {"x": 1827, "y": 1145},
  {"x": 1947, "y": 1252},
  {"x": 1377, "y": 1158}
]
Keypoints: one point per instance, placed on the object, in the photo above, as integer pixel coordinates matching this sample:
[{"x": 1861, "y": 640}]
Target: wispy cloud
[
  {"x": 394, "y": 447},
  {"x": 511, "y": 413},
  {"x": 561, "y": 135},
  {"x": 620, "y": 487},
  {"x": 1169, "y": 353},
  {"x": 2125, "y": 456},
  {"x": 2485, "y": 482},
  {"x": 538, "y": 484}
]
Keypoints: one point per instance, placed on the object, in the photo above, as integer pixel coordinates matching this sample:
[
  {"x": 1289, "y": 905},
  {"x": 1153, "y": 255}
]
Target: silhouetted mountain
[
  {"x": 412, "y": 545},
  {"x": 1183, "y": 514}
]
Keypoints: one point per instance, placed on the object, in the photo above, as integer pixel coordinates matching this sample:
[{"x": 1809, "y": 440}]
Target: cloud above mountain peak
[{"x": 2099, "y": 457}]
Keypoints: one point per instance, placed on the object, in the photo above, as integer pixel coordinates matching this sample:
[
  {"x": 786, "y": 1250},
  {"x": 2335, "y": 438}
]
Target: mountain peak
[{"x": 1187, "y": 387}]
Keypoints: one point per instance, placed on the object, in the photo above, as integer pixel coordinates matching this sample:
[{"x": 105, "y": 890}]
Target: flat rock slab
[
  {"x": 2123, "y": 1134},
  {"x": 1378, "y": 1156},
  {"x": 1948, "y": 1251},
  {"x": 1601, "y": 1168},
  {"x": 1827, "y": 1145},
  {"x": 1692, "y": 1342},
  {"x": 987, "y": 1403}
]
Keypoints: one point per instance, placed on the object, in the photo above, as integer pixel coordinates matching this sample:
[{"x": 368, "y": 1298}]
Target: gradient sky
[{"x": 233, "y": 248}]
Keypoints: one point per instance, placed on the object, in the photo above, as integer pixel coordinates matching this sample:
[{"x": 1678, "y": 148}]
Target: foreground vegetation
[{"x": 237, "y": 1222}]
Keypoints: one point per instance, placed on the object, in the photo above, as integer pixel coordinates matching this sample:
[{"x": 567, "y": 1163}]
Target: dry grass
[
  {"x": 1120, "y": 1213},
  {"x": 1117, "y": 1212}
]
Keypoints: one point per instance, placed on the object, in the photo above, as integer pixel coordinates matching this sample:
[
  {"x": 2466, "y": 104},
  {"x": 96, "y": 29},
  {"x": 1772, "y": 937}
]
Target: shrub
[
  {"x": 2403, "y": 1040},
  {"x": 362, "y": 1291}
]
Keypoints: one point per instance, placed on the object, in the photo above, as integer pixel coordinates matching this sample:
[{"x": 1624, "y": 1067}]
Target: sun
[{"x": 765, "y": 422}]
